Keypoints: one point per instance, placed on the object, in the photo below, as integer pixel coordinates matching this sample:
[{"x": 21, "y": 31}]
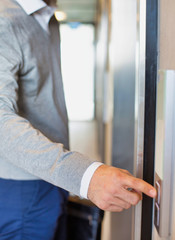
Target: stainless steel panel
[
  {"x": 123, "y": 61},
  {"x": 127, "y": 69}
]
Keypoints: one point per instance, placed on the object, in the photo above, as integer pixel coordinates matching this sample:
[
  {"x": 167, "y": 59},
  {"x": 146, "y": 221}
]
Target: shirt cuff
[{"x": 85, "y": 181}]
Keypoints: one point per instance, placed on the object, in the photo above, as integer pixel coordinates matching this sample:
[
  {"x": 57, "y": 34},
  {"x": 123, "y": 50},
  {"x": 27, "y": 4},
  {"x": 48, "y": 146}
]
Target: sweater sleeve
[{"x": 22, "y": 144}]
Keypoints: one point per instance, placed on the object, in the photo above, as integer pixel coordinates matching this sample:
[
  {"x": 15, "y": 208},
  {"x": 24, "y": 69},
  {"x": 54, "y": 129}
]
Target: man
[{"x": 35, "y": 164}]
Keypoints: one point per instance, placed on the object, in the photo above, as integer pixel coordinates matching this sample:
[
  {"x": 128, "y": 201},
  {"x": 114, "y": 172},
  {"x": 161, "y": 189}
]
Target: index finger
[{"x": 139, "y": 185}]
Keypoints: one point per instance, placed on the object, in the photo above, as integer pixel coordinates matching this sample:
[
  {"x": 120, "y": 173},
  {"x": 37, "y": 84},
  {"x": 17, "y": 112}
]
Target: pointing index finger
[{"x": 141, "y": 186}]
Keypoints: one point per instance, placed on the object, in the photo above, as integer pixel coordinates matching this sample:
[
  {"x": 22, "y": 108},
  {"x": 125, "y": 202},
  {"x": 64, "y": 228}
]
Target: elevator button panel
[{"x": 164, "y": 152}]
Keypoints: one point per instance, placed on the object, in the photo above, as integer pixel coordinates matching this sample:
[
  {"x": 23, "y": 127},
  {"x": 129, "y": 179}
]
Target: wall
[{"x": 167, "y": 34}]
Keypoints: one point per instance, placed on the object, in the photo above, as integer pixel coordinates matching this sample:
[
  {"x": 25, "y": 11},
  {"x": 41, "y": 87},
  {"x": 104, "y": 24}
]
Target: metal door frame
[{"x": 150, "y": 113}]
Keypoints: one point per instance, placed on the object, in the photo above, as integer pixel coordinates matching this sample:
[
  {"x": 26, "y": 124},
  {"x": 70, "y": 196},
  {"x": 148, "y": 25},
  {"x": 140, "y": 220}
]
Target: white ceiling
[{"x": 79, "y": 10}]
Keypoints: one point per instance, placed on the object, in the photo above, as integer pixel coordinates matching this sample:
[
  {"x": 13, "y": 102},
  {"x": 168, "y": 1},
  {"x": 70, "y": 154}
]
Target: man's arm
[{"x": 114, "y": 189}]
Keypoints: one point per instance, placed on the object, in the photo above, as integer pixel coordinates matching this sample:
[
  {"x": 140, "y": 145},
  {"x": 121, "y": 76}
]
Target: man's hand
[{"x": 114, "y": 189}]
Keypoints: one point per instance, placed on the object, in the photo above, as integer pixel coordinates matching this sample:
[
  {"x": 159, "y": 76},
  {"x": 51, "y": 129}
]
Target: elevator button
[
  {"x": 158, "y": 192},
  {"x": 157, "y": 215}
]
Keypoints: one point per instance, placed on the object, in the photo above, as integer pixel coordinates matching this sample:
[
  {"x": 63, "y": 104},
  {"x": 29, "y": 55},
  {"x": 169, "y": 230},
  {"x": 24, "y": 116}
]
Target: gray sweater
[{"x": 33, "y": 117}]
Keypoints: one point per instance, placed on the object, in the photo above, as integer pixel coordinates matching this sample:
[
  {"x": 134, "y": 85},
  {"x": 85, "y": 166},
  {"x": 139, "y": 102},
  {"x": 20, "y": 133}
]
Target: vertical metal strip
[
  {"x": 139, "y": 109},
  {"x": 150, "y": 113}
]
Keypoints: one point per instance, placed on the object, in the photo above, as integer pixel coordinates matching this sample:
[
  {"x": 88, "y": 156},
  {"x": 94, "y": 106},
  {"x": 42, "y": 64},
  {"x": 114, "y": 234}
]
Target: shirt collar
[{"x": 31, "y": 6}]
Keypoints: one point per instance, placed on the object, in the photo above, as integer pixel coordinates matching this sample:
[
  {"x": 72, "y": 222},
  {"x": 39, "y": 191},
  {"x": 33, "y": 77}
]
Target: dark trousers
[{"x": 30, "y": 210}]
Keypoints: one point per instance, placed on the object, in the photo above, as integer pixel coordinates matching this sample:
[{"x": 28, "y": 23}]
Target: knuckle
[
  {"x": 118, "y": 179},
  {"x": 127, "y": 206},
  {"x": 113, "y": 190},
  {"x": 120, "y": 209},
  {"x": 126, "y": 171},
  {"x": 138, "y": 183},
  {"x": 135, "y": 200},
  {"x": 119, "y": 176},
  {"x": 134, "y": 182}
]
